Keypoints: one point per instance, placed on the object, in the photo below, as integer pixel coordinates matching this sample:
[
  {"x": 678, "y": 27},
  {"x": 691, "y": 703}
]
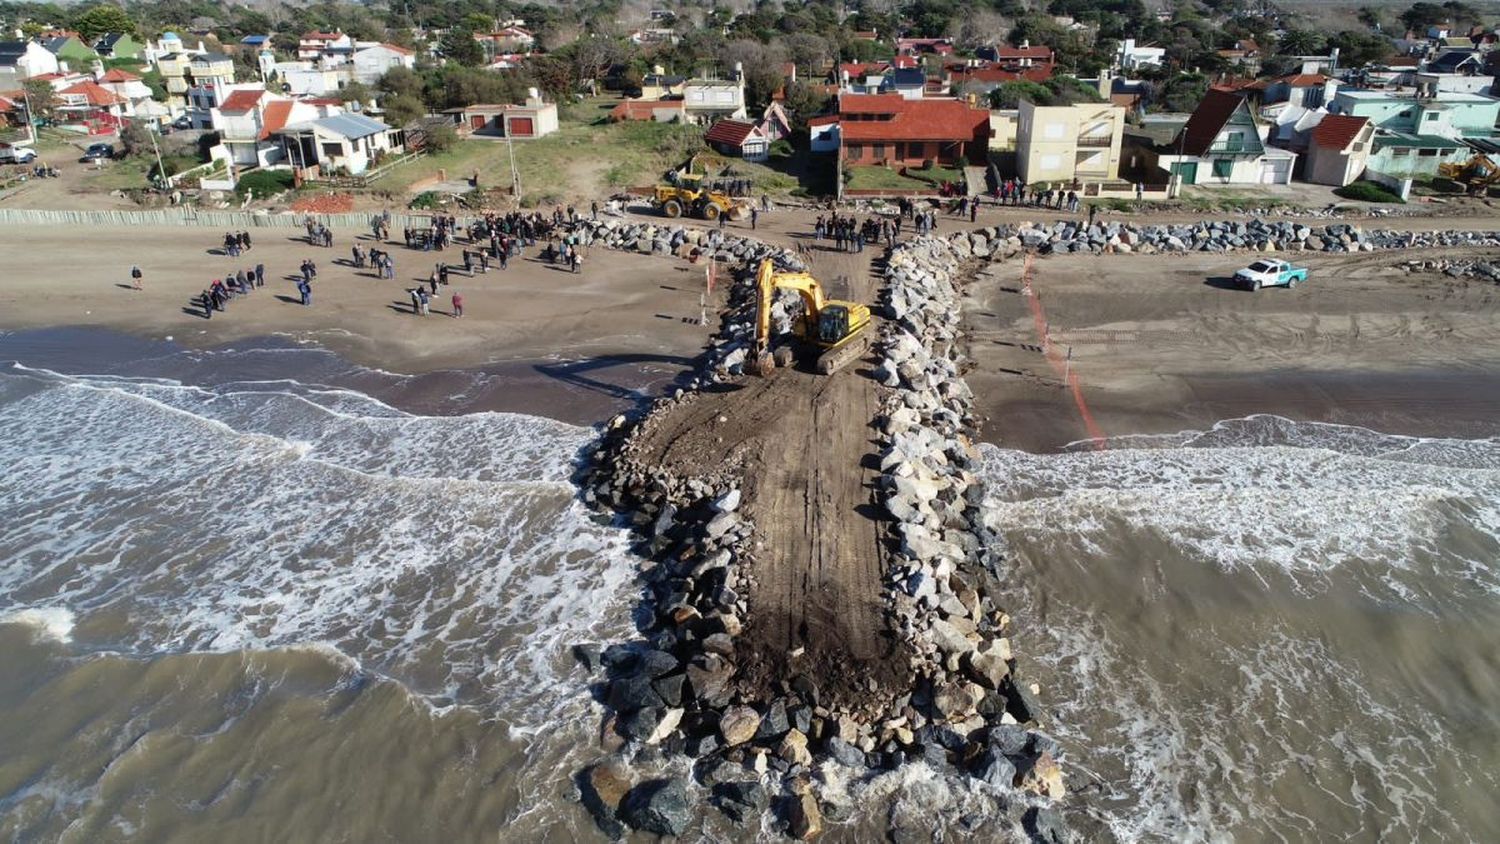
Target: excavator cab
[{"x": 833, "y": 324}]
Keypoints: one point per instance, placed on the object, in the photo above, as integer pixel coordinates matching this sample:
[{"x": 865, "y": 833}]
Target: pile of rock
[
  {"x": 1455, "y": 268},
  {"x": 972, "y": 701},
  {"x": 683, "y": 242},
  {"x": 1256, "y": 235}
]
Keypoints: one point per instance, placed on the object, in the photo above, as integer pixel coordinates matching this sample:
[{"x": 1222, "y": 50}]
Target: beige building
[
  {"x": 1069, "y": 143},
  {"x": 1339, "y": 150}
]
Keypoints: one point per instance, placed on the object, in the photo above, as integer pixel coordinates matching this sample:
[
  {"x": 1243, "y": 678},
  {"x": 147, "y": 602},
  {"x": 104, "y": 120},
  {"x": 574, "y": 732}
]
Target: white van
[{"x": 16, "y": 153}]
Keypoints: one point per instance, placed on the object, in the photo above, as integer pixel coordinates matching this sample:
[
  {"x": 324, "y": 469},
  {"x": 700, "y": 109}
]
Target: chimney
[
  {"x": 1026, "y": 43},
  {"x": 658, "y": 70},
  {"x": 98, "y": 70}
]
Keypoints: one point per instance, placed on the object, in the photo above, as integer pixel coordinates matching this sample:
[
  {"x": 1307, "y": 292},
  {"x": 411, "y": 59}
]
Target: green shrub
[
  {"x": 1368, "y": 192},
  {"x": 781, "y": 149},
  {"x": 425, "y": 201},
  {"x": 927, "y": 164},
  {"x": 264, "y": 182}
]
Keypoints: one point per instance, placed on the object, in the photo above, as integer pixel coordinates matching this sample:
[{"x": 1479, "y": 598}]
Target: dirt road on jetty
[{"x": 806, "y": 448}]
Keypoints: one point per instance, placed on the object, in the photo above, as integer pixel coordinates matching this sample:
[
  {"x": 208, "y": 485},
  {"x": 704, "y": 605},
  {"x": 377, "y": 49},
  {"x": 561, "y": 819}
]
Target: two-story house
[
  {"x": 173, "y": 68},
  {"x": 1069, "y": 143},
  {"x": 1221, "y": 144},
  {"x": 1414, "y": 135},
  {"x": 247, "y": 119},
  {"x": 212, "y": 80},
  {"x": 127, "y": 86},
  {"x": 707, "y": 100},
  {"x": 118, "y": 45},
  {"x": 69, "y": 48},
  {"x": 90, "y": 104},
  {"x": 1132, "y": 56},
  {"x": 1339, "y": 150},
  {"x": 371, "y": 63},
  {"x": 21, "y": 60},
  {"x": 326, "y": 47}
]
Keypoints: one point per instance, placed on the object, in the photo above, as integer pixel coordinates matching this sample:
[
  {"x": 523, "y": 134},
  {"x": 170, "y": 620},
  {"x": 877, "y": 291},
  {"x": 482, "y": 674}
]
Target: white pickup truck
[
  {"x": 1269, "y": 272},
  {"x": 16, "y": 153}
]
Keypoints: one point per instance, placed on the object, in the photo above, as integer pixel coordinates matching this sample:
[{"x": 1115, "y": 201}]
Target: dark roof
[
  {"x": 11, "y": 50},
  {"x": 1208, "y": 120},
  {"x": 732, "y": 132},
  {"x": 907, "y": 76},
  {"x": 210, "y": 58},
  {"x": 1452, "y": 60},
  {"x": 108, "y": 41},
  {"x": 1403, "y": 140},
  {"x": 55, "y": 44},
  {"x": 1336, "y": 131}
]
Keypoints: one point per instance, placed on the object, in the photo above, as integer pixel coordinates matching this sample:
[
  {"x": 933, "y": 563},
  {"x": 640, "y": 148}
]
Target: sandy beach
[
  {"x": 637, "y": 306},
  {"x": 1163, "y": 344}
]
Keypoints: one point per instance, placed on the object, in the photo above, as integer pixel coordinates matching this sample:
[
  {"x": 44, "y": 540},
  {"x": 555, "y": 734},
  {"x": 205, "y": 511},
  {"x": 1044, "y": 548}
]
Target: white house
[
  {"x": 245, "y": 121},
  {"x": 823, "y": 133},
  {"x": 1130, "y": 56},
  {"x": 371, "y": 63},
  {"x": 310, "y": 81},
  {"x": 347, "y": 143},
  {"x": 707, "y": 100},
  {"x": 328, "y": 48},
  {"x": 20, "y": 60},
  {"x": 1221, "y": 144}
]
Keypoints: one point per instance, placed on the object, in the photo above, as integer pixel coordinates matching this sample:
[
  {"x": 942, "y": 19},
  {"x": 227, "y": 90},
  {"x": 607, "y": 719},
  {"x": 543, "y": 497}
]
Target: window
[
  {"x": 1222, "y": 168},
  {"x": 1234, "y": 142},
  {"x": 1053, "y": 131},
  {"x": 1431, "y": 115},
  {"x": 879, "y": 151},
  {"x": 1427, "y": 153},
  {"x": 1400, "y": 151}
]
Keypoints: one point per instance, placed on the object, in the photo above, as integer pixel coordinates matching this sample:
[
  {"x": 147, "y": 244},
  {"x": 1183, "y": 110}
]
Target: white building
[
  {"x": 1129, "y": 56},
  {"x": 329, "y": 48},
  {"x": 371, "y": 63},
  {"x": 21, "y": 60},
  {"x": 707, "y": 100},
  {"x": 348, "y": 143}
]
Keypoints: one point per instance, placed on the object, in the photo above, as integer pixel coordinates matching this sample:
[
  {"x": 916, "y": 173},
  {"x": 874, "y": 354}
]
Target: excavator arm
[{"x": 845, "y": 320}]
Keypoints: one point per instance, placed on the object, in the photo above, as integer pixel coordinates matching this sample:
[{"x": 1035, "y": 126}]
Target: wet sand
[{"x": 1161, "y": 345}]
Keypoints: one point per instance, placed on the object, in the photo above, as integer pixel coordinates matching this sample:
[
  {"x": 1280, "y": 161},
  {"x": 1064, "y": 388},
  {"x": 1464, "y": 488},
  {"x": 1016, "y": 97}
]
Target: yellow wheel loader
[
  {"x": 835, "y": 328},
  {"x": 685, "y": 194}
]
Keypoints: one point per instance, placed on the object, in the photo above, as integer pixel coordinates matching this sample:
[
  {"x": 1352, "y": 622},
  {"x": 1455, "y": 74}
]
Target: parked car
[
  {"x": 99, "y": 152},
  {"x": 1270, "y": 273},
  {"x": 182, "y": 122},
  {"x": 16, "y": 153}
]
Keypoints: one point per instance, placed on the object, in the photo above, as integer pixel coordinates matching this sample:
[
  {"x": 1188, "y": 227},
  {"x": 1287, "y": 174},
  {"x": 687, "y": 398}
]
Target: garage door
[
  {"x": 1276, "y": 171},
  {"x": 521, "y": 127}
]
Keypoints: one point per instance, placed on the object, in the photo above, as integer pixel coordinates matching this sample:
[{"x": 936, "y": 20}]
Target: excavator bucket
[{"x": 763, "y": 365}]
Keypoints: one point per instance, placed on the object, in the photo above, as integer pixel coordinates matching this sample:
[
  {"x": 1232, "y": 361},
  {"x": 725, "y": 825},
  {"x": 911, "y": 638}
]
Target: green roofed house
[
  {"x": 1416, "y": 134},
  {"x": 68, "y": 47},
  {"x": 118, "y": 45}
]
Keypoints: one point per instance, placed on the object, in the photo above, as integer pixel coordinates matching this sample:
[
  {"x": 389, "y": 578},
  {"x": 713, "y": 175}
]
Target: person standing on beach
[
  {"x": 458, "y": 304},
  {"x": 260, "y": 275},
  {"x": 207, "y": 301},
  {"x": 423, "y": 299},
  {"x": 135, "y": 278},
  {"x": 416, "y": 301}
]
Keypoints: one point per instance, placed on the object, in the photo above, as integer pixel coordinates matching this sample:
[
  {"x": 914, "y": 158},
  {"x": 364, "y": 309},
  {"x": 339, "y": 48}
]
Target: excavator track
[{"x": 837, "y": 358}]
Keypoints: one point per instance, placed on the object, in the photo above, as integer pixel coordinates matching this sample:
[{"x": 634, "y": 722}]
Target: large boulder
[
  {"x": 738, "y": 725},
  {"x": 604, "y": 787},
  {"x": 658, "y": 806}
]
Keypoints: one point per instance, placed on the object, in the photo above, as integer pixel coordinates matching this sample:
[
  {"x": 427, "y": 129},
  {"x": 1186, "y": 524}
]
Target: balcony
[{"x": 1095, "y": 140}]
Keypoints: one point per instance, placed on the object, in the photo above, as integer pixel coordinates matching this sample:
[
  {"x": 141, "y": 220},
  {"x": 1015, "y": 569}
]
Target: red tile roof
[
  {"x": 315, "y": 35},
  {"x": 641, "y": 109},
  {"x": 732, "y": 132},
  {"x": 94, "y": 93},
  {"x": 1008, "y": 53},
  {"x": 118, "y": 75},
  {"x": 1038, "y": 73},
  {"x": 274, "y": 117},
  {"x": 859, "y": 69},
  {"x": 242, "y": 100},
  {"x": 911, "y": 120},
  {"x": 1305, "y": 80},
  {"x": 1208, "y": 119},
  {"x": 822, "y": 120},
  {"x": 393, "y": 48},
  {"x": 1337, "y": 131}
]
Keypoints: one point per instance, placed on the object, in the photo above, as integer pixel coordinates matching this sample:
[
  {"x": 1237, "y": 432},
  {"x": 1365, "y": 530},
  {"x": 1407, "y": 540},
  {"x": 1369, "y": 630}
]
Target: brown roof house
[
  {"x": 1222, "y": 144},
  {"x": 1339, "y": 150},
  {"x": 739, "y": 138}
]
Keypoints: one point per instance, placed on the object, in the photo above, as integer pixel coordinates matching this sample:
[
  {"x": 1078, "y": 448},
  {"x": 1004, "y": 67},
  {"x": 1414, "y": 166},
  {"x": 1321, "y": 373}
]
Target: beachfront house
[
  {"x": 1069, "y": 143},
  {"x": 739, "y": 138},
  {"x": 341, "y": 144},
  {"x": 1338, "y": 150},
  {"x": 118, "y": 45},
  {"x": 890, "y": 130},
  {"x": 371, "y": 63},
  {"x": 1221, "y": 144},
  {"x": 21, "y": 60}
]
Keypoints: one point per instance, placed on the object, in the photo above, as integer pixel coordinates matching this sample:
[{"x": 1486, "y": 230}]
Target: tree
[
  {"x": 762, "y": 66},
  {"x": 441, "y": 137},
  {"x": 804, "y": 101},
  {"x": 1300, "y": 42},
  {"x": 401, "y": 81},
  {"x": 1183, "y": 92},
  {"x": 135, "y": 139},
  {"x": 101, "y": 20},
  {"x": 460, "y": 47},
  {"x": 41, "y": 99},
  {"x": 1357, "y": 49},
  {"x": 401, "y": 109},
  {"x": 1010, "y": 94}
]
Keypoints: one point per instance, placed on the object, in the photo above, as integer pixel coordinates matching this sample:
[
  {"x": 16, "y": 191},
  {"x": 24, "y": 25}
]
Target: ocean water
[
  {"x": 201, "y": 585},
  {"x": 1269, "y": 630}
]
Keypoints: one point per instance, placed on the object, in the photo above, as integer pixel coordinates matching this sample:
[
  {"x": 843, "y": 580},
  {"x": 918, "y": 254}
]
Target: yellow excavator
[
  {"x": 835, "y": 327},
  {"x": 1477, "y": 174}
]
